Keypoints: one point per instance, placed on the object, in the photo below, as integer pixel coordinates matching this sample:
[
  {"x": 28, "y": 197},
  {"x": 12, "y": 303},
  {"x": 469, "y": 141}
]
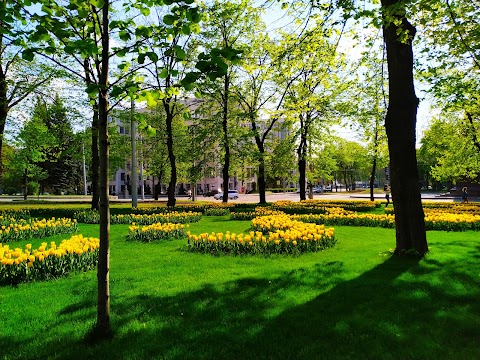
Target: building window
[
  {"x": 122, "y": 130},
  {"x": 122, "y": 176}
]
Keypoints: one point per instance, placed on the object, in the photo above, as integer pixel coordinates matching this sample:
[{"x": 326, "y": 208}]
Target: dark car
[{"x": 210, "y": 193}]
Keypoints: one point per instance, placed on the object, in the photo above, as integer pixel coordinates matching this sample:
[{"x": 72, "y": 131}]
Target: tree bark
[
  {"x": 3, "y": 112},
  {"x": 103, "y": 306},
  {"x": 302, "y": 165},
  {"x": 372, "y": 177},
  {"x": 400, "y": 126},
  {"x": 95, "y": 160},
  {"x": 226, "y": 163},
  {"x": 25, "y": 183},
  {"x": 261, "y": 166},
  {"x": 374, "y": 163},
  {"x": 95, "y": 156},
  {"x": 171, "y": 155}
]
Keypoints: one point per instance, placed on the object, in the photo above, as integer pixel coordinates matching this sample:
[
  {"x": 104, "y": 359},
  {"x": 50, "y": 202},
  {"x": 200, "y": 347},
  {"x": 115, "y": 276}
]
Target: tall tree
[
  {"x": 315, "y": 97},
  {"x": 59, "y": 158},
  {"x": 227, "y": 21},
  {"x": 263, "y": 90},
  {"x": 370, "y": 92},
  {"x": 171, "y": 45},
  {"x": 32, "y": 142},
  {"x": 448, "y": 150},
  {"x": 18, "y": 78},
  {"x": 400, "y": 125}
]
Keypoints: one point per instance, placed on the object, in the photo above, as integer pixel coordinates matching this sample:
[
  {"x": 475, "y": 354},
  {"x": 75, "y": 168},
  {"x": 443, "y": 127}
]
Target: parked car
[
  {"x": 232, "y": 194},
  {"x": 327, "y": 188},
  {"x": 210, "y": 193},
  {"x": 317, "y": 190}
]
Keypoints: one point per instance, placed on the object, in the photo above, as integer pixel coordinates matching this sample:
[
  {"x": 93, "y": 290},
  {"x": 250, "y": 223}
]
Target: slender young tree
[{"x": 227, "y": 21}]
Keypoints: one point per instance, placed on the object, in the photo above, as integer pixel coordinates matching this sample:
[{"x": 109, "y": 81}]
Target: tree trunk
[
  {"x": 171, "y": 155},
  {"x": 95, "y": 160},
  {"x": 155, "y": 189},
  {"x": 302, "y": 165},
  {"x": 261, "y": 169},
  {"x": 25, "y": 184},
  {"x": 226, "y": 164},
  {"x": 372, "y": 177},
  {"x": 400, "y": 126},
  {"x": 261, "y": 179},
  {"x": 95, "y": 156},
  {"x": 374, "y": 163},
  {"x": 3, "y": 114},
  {"x": 103, "y": 307}
]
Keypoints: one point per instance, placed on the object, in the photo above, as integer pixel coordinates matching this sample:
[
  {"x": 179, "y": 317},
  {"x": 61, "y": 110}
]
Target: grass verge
[{"x": 349, "y": 302}]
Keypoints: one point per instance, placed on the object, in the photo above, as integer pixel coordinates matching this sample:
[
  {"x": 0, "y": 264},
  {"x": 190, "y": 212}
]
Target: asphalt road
[{"x": 245, "y": 198}]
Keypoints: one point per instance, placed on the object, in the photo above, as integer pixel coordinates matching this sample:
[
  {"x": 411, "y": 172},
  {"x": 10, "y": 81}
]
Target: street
[{"x": 243, "y": 198}]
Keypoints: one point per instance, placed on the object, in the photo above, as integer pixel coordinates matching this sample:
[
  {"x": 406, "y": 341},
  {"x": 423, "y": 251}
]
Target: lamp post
[{"x": 134, "y": 154}]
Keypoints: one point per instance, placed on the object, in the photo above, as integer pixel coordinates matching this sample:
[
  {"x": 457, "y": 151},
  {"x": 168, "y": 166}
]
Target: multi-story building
[{"x": 120, "y": 184}]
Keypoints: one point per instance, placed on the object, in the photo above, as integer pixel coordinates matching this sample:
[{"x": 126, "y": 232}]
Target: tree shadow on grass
[{"x": 397, "y": 310}]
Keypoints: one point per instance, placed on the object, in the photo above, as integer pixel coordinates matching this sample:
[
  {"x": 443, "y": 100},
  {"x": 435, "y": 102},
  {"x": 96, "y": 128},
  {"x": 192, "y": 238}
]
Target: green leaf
[
  {"x": 125, "y": 36},
  {"x": 186, "y": 29},
  {"x": 141, "y": 58},
  {"x": 151, "y": 131},
  {"x": 163, "y": 74},
  {"x": 150, "y": 100},
  {"x": 152, "y": 56},
  {"x": 28, "y": 55},
  {"x": 97, "y": 3},
  {"x": 180, "y": 53},
  {"x": 92, "y": 90},
  {"x": 169, "y": 19},
  {"x": 193, "y": 15},
  {"x": 145, "y": 11}
]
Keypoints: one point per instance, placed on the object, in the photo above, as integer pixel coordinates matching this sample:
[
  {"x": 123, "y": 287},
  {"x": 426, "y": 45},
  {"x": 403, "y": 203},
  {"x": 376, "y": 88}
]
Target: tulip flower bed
[
  {"x": 8, "y": 215},
  {"x": 186, "y": 208},
  {"x": 156, "y": 232},
  {"x": 216, "y": 211},
  {"x": 436, "y": 219},
  {"x": 275, "y": 234},
  {"x": 26, "y": 229},
  {"x": 454, "y": 207},
  {"x": 22, "y": 265},
  {"x": 321, "y": 206},
  {"x": 339, "y": 216},
  {"x": 448, "y": 219},
  {"x": 168, "y": 217},
  {"x": 93, "y": 217},
  {"x": 250, "y": 215}
]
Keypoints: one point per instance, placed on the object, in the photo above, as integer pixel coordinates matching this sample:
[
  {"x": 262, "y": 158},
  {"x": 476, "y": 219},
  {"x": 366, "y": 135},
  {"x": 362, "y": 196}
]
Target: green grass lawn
[{"x": 353, "y": 301}]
